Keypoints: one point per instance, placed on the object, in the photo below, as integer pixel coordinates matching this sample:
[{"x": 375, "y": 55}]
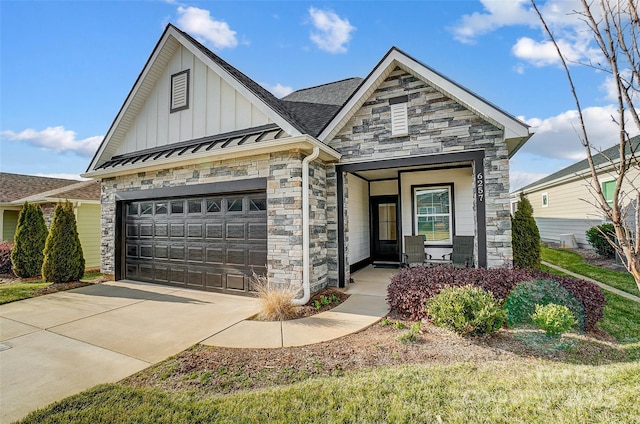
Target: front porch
[{"x": 438, "y": 196}]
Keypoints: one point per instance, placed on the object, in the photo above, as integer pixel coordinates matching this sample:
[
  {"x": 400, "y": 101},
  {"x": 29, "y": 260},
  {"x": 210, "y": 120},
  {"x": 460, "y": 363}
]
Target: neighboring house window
[
  {"x": 545, "y": 200},
  {"x": 180, "y": 91},
  {"x": 399, "y": 118},
  {"x": 433, "y": 213},
  {"x": 608, "y": 187},
  {"x": 514, "y": 207}
]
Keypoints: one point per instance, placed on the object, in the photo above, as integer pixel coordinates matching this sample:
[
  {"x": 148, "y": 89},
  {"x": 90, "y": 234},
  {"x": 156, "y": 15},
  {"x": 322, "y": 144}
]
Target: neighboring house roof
[
  {"x": 17, "y": 188},
  {"x": 600, "y": 159}
]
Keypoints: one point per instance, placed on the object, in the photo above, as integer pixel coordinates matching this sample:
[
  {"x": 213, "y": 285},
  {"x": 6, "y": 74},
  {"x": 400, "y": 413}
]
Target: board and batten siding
[
  {"x": 358, "y": 219},
  {"x": 88, "y": 223},
  {"x": 214, "y": 108}
]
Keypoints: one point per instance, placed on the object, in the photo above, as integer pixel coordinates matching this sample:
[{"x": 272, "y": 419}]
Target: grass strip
[
  {"x": 572, "y": 261},
  {"x": 493, "y": 392}
]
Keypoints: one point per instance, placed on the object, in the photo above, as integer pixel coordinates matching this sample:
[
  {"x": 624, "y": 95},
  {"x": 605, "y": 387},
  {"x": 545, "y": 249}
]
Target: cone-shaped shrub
[
  {"x": 525, "y": 236},
  {"x": 29, "y": 241},
  {"x": 63, "y": 259}
]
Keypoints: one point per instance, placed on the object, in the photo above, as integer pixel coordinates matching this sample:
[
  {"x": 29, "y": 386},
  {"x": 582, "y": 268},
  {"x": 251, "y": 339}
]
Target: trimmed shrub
[
  {"x": 410, "y": 288},
  {"x": 5, "y": 257},
  {"x": 553, "y": 319},
  {"x": 466, "y": 310},
  {"x": 63, "y": 259},
  {"x": 525, "y": 237},
  {"x": 521, "y": 303},
  {"x": 599, "y": 242},
  {"x": 29, "y": 241}
]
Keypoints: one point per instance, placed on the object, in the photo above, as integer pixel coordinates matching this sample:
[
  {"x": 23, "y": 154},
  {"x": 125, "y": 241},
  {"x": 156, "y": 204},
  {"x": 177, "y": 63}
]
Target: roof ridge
[{"x": 321, "y": 85}]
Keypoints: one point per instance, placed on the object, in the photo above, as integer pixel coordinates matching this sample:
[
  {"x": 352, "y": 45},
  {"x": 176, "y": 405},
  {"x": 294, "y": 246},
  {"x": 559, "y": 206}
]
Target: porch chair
[
  {"x": 414, "y": 251},
  {"x": 462, "y": 254}
]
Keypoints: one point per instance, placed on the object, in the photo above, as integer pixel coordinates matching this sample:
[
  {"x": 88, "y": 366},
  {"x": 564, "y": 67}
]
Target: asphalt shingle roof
[
  {"x": 18, "y": 186},
  {"x": 612, "y": 153}
]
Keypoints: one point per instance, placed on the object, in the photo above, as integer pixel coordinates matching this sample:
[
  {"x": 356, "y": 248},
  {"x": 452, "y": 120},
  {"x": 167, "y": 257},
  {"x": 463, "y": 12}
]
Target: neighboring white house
[
  {"x": 207, "y": 177},
  {"x": 563, "y": 202}
]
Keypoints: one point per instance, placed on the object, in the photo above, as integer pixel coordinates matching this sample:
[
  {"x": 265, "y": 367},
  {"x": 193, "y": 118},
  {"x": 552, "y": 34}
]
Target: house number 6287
[{"x": 480, "y": 186}]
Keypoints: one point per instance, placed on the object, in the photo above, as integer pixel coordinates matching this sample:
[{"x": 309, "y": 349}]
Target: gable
[
  {"x": 210, "y": 105},
  {"x": 406, "y": 116},
  {"x": 515, "y": 132},
  {"x": 222, "y": 99}
]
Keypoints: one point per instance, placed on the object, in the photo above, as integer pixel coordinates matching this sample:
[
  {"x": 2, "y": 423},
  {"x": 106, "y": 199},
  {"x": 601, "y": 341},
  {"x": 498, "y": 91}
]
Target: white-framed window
[
  {"x": 514, "y": 206},
  {"x": 180, "y": 91},
  {"x": 545, "y": 200},
  {"x": 434, "y": 213},
  {"x": 399, "y": 119},
  {"x": 608, "y": 187}
]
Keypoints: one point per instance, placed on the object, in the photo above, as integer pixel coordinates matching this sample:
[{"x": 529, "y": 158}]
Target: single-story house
[
  {"x": 563, "y": 203},
  {"x": 15, "y": 189},
  {"x": 207, "y": 177}
]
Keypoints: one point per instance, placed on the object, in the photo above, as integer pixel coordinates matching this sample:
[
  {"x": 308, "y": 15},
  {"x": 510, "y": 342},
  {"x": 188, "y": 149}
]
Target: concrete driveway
[{"x": 56, "y": 345}]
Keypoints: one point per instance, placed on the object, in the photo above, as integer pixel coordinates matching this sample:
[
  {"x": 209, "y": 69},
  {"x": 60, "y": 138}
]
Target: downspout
[{"x": 306, "y": 286}]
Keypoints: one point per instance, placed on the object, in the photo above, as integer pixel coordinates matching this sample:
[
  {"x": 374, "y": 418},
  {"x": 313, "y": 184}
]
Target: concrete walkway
[
  {"x": 600, "y": 284},
  {"x": 365, "y": 306}
]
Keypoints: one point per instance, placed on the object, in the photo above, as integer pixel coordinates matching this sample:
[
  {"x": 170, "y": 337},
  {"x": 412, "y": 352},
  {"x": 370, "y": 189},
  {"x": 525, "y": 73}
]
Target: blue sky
[{"x": 67, "y": 66}]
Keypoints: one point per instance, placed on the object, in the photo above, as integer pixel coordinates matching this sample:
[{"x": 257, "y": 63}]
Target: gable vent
[
  {"x": 180, "y": 91},
  {"x": 399, "y": 119}
]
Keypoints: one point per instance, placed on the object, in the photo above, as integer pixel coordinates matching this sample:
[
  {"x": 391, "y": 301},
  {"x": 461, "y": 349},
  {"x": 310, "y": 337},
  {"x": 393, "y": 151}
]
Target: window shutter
[
  {"x": 180, "y": 91},
  {"x": 399, "y": 120}
]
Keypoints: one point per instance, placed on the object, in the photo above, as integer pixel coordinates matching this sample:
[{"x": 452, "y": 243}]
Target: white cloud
[
  {"x": 278, "y": 90},
  {"x": 496, "y": 14},
  {"x": 57, "y": 139},
  {"x": 570, "y": 31},
  {"x": 332, "y": 32},
  {"x": 518, "y": 179},
  {"x": 200, "y": 24},
  {"x": 609, "y": 87},
  {"x": 559, "y": 136}
]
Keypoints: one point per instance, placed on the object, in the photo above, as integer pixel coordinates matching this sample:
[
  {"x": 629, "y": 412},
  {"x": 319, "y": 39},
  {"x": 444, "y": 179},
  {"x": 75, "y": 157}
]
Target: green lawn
[
  {"x": 492, "y": 392},
  {"x": 572, "y": 261},
  {"x": 18, "y": 290}
]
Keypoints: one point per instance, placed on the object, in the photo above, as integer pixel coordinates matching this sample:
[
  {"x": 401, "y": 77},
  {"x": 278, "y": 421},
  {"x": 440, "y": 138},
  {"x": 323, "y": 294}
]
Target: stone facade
[
  {"x": 283, "y": 172},
  {"x": 437, "y": 124}
]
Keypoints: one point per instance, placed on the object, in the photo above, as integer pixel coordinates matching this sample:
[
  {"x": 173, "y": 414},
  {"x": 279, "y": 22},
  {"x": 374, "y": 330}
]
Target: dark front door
[{"x": 384, "y": 216}]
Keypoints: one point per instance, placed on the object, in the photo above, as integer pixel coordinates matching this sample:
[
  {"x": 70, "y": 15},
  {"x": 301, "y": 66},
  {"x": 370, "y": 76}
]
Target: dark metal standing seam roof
[
  {"x": 216, "y": 142},
  {"x": 612, "y": 153}
]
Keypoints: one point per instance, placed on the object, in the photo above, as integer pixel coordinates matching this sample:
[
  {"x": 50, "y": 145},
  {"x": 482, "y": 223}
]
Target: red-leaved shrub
[
  {"x": 410, "y": 288},
  {"x": 5, "y": 257}
]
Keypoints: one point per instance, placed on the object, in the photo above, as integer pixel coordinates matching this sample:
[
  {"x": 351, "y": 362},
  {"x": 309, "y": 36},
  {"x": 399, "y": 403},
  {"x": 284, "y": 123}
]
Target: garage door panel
[
  {"x": 235, "y": 231},
  {"x": 177, "y": 230},
  {"x": 257, "y": 231},
  {"x": 207, "y": 242}
]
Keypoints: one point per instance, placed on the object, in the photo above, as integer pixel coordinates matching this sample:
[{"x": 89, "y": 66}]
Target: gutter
[{"x": 306, "y": 286}]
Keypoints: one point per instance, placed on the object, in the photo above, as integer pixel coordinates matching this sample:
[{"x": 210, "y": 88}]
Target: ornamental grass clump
[
  {"x": 553, "y": 319},
  {"x": 521, "y": 303},
  {"x": 276, "y": 302},
  {"x": 466, "y": 310}
]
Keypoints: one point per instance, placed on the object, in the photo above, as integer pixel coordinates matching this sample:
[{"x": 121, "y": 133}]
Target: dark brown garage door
[{"x": 209, "y": 243}]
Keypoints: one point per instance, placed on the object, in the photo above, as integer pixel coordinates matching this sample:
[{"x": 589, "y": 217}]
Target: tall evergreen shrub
[
  {"x": 29, "y": 240},
  {"x": 525, "y": 236},
  {"x": 63, "y": 259}
]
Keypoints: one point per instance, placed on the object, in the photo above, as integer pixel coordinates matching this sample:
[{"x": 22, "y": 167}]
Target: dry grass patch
[{"x": 276, "y": 302}]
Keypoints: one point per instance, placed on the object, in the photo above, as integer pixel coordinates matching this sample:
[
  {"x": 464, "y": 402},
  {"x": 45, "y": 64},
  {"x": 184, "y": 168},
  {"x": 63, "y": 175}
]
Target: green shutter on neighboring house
[{"x": 608, "y": 187}]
